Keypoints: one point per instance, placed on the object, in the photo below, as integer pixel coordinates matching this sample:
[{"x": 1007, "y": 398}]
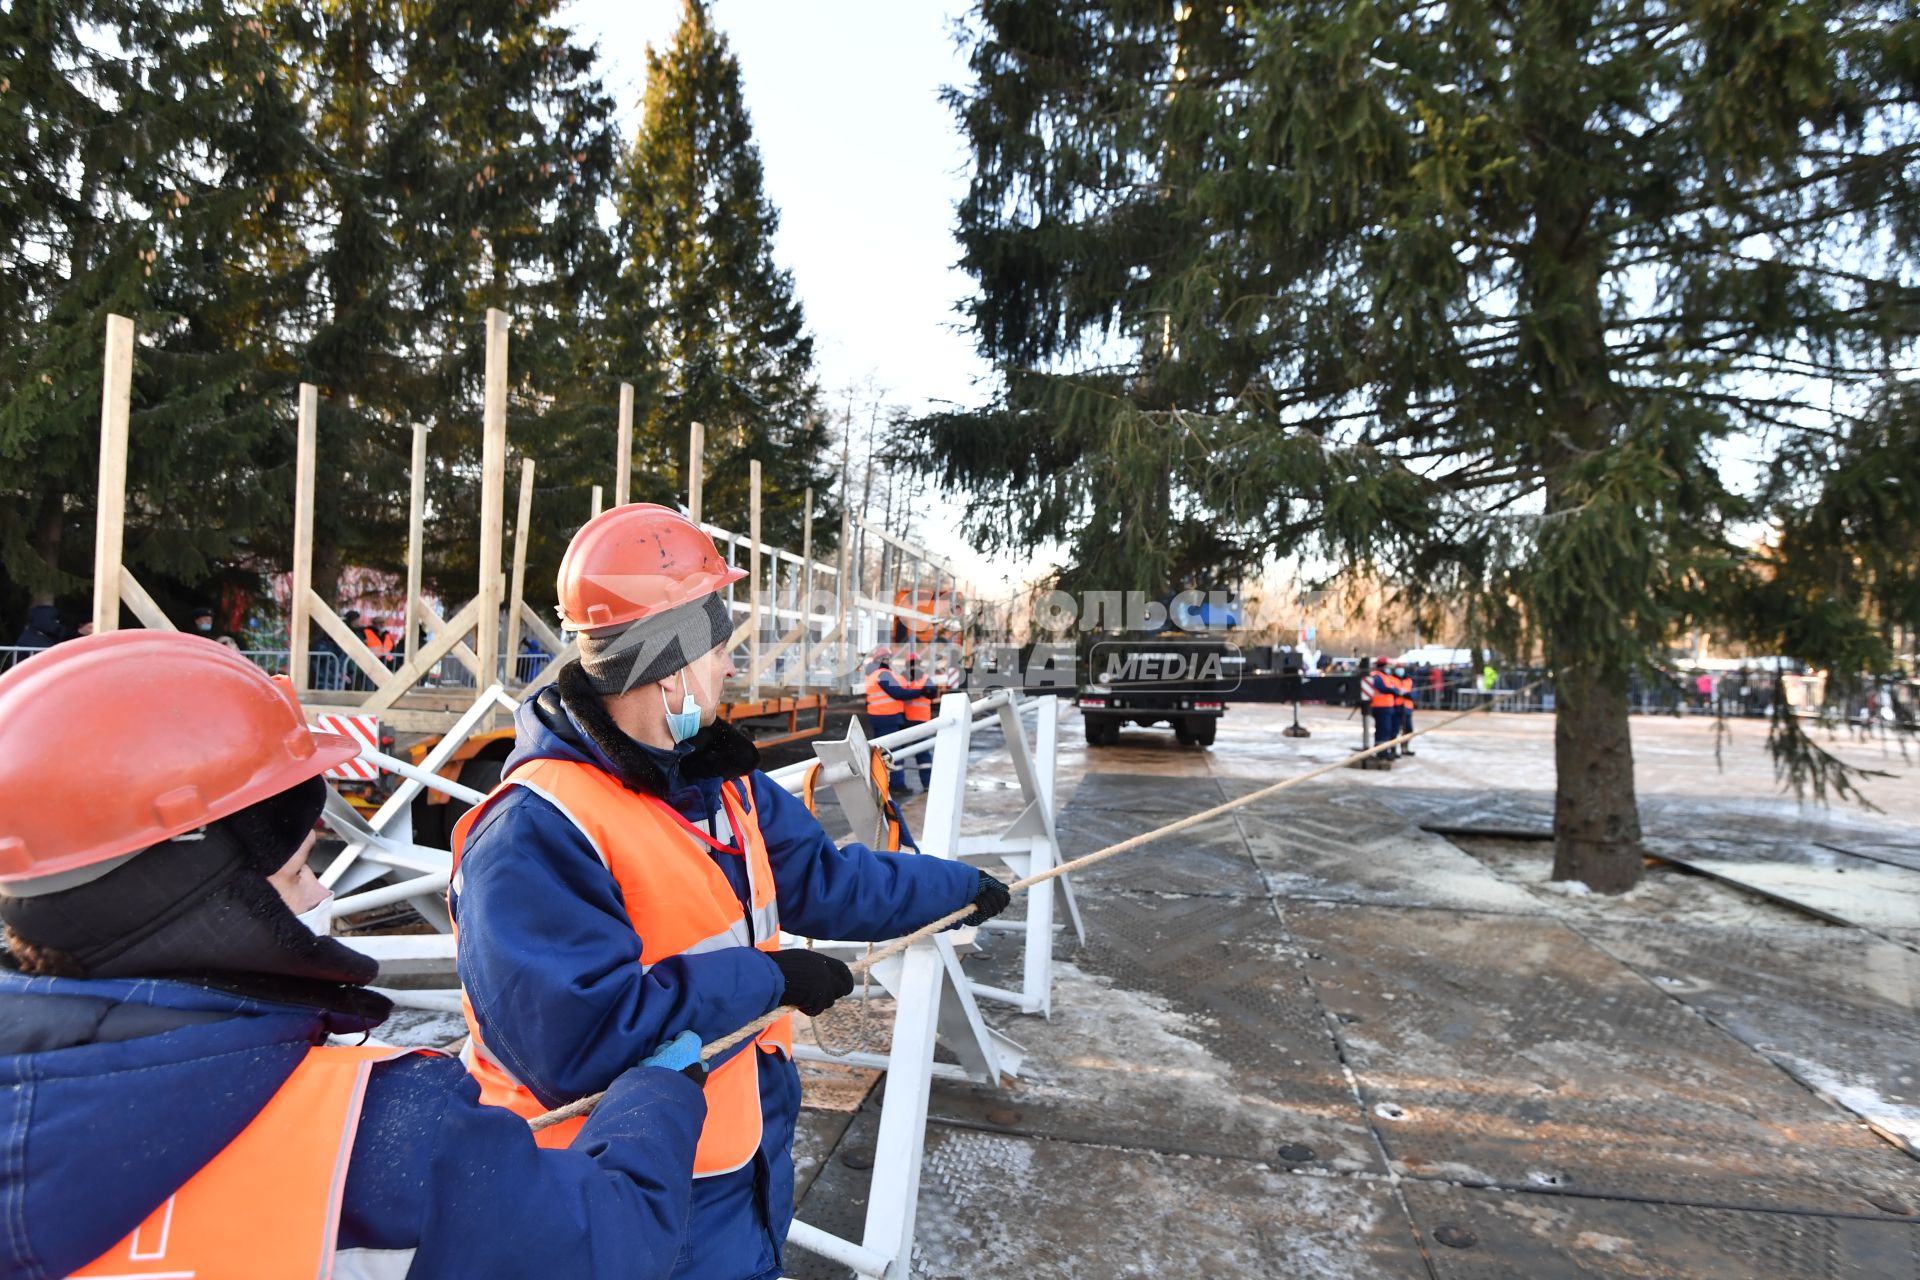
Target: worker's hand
[
  {"x": 682, "y": 1054},
  {"x": 989, "y": 900},
  {"x": 814, "y": 980}
]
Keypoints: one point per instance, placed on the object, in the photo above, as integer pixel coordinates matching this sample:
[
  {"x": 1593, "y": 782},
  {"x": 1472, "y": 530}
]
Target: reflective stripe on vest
[
  {"x": 1382, "y": 690},
  {"x": 680, "y": 904},
  {"x": 268, "y": 1206},
  {"x": 918, "y": 710},
  {"x": 879, "y": 701}
]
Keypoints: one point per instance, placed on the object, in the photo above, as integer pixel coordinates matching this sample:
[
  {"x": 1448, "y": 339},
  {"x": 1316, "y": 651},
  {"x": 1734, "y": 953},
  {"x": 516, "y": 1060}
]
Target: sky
[{"x": 865, "y": 165}]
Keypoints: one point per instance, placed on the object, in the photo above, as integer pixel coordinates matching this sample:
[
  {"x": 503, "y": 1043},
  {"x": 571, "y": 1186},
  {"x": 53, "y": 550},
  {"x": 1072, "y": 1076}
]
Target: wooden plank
[
  {"x": 493, "y": 488},
  {"x": 596, "y": 502},
  {"x": 305, "y": 438},
  {"x": 110, "y": 518},
  {"x": 416, "y": 532},
  {"x": 135, "y": 597},
  {"x": 696, "y": 468},
  {"x": 753, "y": 575},
  {"x": 432, "y": 620},
  {"x": 350, "y": 644},
  {"x": 549, "y": 638},
  {"x": 522, "y": 526},
  {"x": 552, "y": 669},
  {"x": 772, "y": 655},
  {"x": 431, "y": 652},
  {"x": 623, "y": 467}
]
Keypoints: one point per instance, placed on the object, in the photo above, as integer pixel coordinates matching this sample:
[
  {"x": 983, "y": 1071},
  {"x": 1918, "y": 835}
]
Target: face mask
[
  {"x": 202, "y": 625},
  {"x": 319, "y": 918},
  {"x": 685, "y": 722}
]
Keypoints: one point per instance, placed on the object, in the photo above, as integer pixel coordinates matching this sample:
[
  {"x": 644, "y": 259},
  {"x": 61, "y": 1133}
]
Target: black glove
[
  {"x": 814, "y": 980},
  {"x": 989, "y": 900}
]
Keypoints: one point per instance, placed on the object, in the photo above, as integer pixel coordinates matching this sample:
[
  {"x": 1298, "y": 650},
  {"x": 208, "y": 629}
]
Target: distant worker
[
  {"x": 887, "y": 699},
  {"x": 45, "y": 630},
  {"x": 1384, "y": 705},
  {"x": 629, "y": 878},
  {"x": 1489, "y": 678},
  {"x": 919, "y": 709},
  {"x": 1403, "y": 705},
  {"x": 174, "y": 1106}
]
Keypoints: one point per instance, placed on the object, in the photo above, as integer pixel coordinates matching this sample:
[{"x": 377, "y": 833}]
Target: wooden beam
[
  {"x": 551, "y": 670},
  {"x": 493, "y": 487},
  {"x": 806, "y": 568},
  {"x": 807, "y": 658},
  {"x": 753, "y": 576},
  {"x": 549, "y": 638},
  {"x": 431, "y": 619},
  {"x": 696, "y": 468},
  {"x": 305, "y": 436},
  {"x": 772, "y": 655},
  {"x": 350, "y": 644},
  {"x": 135, "y": 597},
  {"x": 596, "y": 502},
  {"x": 110, "y": 519},
  {"x": 416, "y": 532},
  {"x": 623, "y": 468},
  {"x": 521, "y": 527},
  {"x": 431, "y": 652}
]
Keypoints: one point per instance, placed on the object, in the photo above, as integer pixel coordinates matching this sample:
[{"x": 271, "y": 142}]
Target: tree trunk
[
  {"x": 1596, "y": 815},
  {"x": 48, "y": 527}
]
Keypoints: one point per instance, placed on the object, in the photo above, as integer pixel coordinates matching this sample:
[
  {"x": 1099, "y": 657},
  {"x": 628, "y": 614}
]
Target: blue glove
[{"x": 682, "y": 1054}]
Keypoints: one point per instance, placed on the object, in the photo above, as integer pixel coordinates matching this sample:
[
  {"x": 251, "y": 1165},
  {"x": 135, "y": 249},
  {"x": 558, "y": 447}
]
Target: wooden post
[
  {"x": 804, "y": 596},
  {"x": 845, "y": 585},
  {"x": 623, "y": 470},
  {"x": 596, "y": 502},
  {"x": 110, "y": 522},
  {"x": 305, "y": 436},
  {"x": 753, "y": 578},
  {"x": 696, "y": 468},
  {"x": 493, "y": 485},
  {"x": 416, "y": 530},
  {"x": 520, "y": 529}
]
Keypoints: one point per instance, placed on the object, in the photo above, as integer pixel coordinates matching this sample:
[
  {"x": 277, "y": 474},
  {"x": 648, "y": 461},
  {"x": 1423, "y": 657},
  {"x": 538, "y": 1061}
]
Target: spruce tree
[
  {"x": 707, "y": 325},
  {"x": 1500, "y": 302}
]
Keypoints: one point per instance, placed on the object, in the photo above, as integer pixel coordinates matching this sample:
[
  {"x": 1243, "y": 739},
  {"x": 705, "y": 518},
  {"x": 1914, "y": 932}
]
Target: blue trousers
[{"x": 1386, "y": 726}]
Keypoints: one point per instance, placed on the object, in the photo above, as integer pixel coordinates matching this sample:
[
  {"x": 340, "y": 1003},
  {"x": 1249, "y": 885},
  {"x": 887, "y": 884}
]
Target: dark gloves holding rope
[
  {"x": 990, "y": 898},
  {"x": 814, "y": 981}
]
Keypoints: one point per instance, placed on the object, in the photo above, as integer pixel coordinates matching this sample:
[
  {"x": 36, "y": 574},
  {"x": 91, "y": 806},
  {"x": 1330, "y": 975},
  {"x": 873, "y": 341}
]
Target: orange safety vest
[
  {"x": 1403, "y": 691},
  {"x": 1382, "y": 690},
  {"x": 268, "y": 1206},
  {"x": 680, "y": 904},
  {"x": 919, "y": 710},
  {"x": 879, "y": 701},
  {"x": 378, "y": 641}
]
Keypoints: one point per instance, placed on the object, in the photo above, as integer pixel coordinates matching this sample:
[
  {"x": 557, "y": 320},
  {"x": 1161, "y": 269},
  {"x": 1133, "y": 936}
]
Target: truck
[{"x": 1172, "y": 679}]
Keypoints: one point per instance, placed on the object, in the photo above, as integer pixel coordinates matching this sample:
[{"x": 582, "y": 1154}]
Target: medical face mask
[
  {"x": 319, "y": 918},
  {"x": 685, "y": 722}
]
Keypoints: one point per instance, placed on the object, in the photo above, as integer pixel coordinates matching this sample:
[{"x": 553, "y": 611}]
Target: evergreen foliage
[
  {"x": 707, "y": 324},
  {"x": 1556, "y": 310}
]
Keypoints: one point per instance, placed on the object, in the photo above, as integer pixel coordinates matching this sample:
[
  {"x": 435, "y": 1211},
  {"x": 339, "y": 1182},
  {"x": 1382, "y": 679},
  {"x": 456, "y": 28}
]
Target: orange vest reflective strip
[
  {"x": 268, "y": 1206},
  {"x": 1382, "y": 689},
  {"x": 919, "y": 710},
  {"x": 879, "y": 701},
  {"x": 680, "y": 904}
]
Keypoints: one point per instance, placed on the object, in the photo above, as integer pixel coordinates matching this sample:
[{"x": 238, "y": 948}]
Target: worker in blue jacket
[
  {"x": 173, "y": 1103},
  {"x": 574, "y": 943},
  {"x": 888, "y": 698}
]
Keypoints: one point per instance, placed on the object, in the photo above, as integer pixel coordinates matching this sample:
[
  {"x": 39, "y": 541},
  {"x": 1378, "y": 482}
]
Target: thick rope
[{"x": 581, "y": 1106}]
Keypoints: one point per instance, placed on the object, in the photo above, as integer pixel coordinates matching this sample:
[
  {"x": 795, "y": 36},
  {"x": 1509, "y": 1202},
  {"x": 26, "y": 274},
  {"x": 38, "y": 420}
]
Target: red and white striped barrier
[{"x": 362, "y": 729}]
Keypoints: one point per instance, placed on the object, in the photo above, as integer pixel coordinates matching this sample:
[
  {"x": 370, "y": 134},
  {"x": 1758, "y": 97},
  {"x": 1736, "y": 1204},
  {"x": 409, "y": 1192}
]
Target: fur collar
[{"x": 717, "y": 751}]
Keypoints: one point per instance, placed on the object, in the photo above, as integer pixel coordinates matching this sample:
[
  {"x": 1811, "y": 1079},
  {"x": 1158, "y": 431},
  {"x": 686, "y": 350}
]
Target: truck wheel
[
  {"x": 1203, "y": 728},
  {"x": 1096, "y": 732},
  {"x": 1183, "y": 731}
]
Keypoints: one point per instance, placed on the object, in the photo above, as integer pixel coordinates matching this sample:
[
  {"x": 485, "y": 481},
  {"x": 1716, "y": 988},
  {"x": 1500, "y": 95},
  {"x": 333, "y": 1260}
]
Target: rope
[{"x": 581, "y": 1106}]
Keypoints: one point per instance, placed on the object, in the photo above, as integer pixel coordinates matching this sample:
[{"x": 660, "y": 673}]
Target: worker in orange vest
[
  {"x": 1403, "y": 706},
  {"x": 1384, "y": 703},
  {"x": 920, "y": 707},
  {"x": 888, "y": 699},
  {"x": 174, "y": 1104},
  {"x": 630, "y": 877}
]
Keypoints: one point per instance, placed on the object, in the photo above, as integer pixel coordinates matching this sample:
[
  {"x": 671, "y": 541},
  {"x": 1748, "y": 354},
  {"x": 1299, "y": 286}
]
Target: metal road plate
[
  {"x": 1184, "y": 1025},
  {"x": 1507, "y": 1051},
  {"x": 1495, "y": 1235},
  {"x": 1211, "y": 857},
  {"x": 1838, "y": 1009},
  {"x": 1340, "y": 847},
  {"x": 1145, "y": 793},
  {"x": 1003, "y": 1207},
  {"x": 1870, "y": 894}
]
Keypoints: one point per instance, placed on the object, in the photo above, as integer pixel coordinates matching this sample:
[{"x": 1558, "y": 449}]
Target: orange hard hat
[
  {"x": 635, "y": 561},
  {"x": 115, "y": 742}
]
